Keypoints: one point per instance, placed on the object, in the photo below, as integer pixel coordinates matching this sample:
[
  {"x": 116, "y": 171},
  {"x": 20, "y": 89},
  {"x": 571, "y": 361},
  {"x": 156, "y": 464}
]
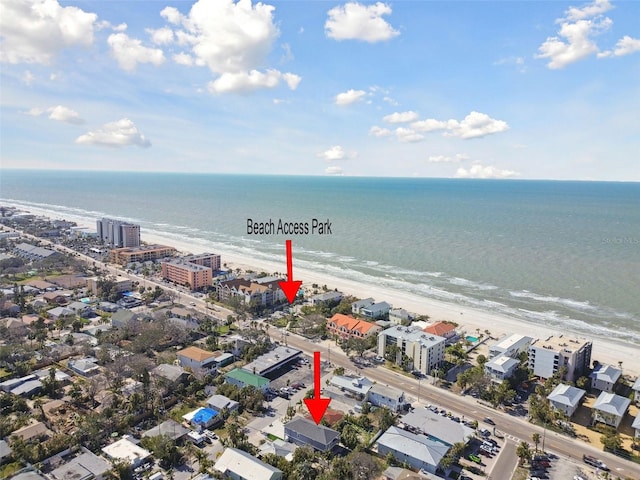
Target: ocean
[{"x": 557, "y": 253}]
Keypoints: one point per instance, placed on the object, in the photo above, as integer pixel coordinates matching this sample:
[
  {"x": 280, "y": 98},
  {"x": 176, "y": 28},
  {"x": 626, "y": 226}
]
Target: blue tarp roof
[{"x": 204, "y": 415}]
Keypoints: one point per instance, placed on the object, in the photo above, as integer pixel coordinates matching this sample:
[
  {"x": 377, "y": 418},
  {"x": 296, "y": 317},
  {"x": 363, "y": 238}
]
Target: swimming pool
[{"x": 472, "y": 339}]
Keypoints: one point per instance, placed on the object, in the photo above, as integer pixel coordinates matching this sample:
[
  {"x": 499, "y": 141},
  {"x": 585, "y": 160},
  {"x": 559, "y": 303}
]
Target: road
[{"x": 514, "y": 428}]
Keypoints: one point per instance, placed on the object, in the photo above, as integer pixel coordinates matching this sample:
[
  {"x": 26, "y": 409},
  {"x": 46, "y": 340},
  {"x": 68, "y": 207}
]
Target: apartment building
[
  {"x": 250, "y": 291},
  {"x": 425, "y": 351},
  {"x": 347, "y": 327},
  {"x": 144, "y": 253},
  {"x": 546, "y": 357},
  {"x": 510, "y": 346},
  {"x": 188, "y": 274},
  {"x": 118, "y": 233}
]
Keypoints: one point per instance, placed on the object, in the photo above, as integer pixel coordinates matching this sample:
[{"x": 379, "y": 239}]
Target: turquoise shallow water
[{"x": 565, "y": 254}]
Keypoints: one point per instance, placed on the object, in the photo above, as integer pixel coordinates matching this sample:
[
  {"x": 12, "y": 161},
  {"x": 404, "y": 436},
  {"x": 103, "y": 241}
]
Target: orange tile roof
[
  {"x": 351, "y": 324},
  {"x": 197, "y": 354},
  {"x": 439, "y": 328}
]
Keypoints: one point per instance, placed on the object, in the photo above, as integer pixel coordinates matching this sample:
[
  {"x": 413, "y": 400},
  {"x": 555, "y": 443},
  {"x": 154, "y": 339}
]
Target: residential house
[
  {"x": 566, "y": 398},
  {"x": 278, "y": 447},
  {"x": 61, "y": 313},
  {"x": 442, "y": 329},
  {"x": 170, "y": 429},
  {"x": 347, "y": 327},
  {"x": 636, "y": 426},
  {"x": 399, "y": 316},
  {"x": 171, "y": 374},
  {"x": 15, "y": 327},
  {"x": 202, "y": 418},
  {"x": 81, "y": 309},
  {"x": 220, "y": 402},
  {"x": 31, "y": 252},
  {"x": 437, "y": 427},
  {"x": 126, "y": 450},
  {"x": 84, "y": 366},
  {"x": 305, "y": 432},
  {"x": 385, "y": 396},
  {"x": 610, "y": 409},
  {"x": 237, "y": 464},
  {"x": 357, "y": 306},
  {"x": 55, "y": 298},
  {"x": 327, "y": 298},
  {"x": 5, "y": 451},
  {"x": 548, "y": 356},
  {"x": 200, "y": 362},
  {"x": 86, "y": 466},
  {"x": 26, "y": 386},
  {"x": 416, "y": 450},
  {"x": 377, "y": 310},
  {"x": 242, "y": 378},
  {"x": 510, "y": 345},
  {"x": 605, "y": 377},
  {"x": 122, "y": 318},
  {"x": 35, "y": 431},
  {"x": 501, "y": 367},
  {"x": 636, "y": 391},
  {"x": 354, "y": 386},
  {"x": 424, "y": 352}
]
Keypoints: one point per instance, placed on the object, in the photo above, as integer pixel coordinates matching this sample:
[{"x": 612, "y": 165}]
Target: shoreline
[{"x": 469, "y": 319}]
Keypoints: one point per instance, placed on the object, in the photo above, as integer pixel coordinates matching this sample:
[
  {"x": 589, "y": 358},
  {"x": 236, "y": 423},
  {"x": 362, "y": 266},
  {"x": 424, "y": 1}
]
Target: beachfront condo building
[
  {"x": 546, "y": 357},
  {"x": 187, "y": 274},
  {"x": 144, "y": 253},
  {"x": 117, "y": 233},
  {"x": 510, "y": 346},
  {"x": 424, "y": 351}
]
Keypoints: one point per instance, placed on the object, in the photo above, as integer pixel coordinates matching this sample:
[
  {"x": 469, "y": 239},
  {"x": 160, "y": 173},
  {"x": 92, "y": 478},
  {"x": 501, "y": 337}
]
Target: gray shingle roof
[{"x": 317, "y": 433}]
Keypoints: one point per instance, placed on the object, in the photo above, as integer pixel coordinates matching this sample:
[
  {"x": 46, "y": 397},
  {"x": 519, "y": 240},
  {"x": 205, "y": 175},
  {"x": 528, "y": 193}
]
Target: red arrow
[
  {"x": 316, "y": 405},
  {"x": 290, "y": 287}
]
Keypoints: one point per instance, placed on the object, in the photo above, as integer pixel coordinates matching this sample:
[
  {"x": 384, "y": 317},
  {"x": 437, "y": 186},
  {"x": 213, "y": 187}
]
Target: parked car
[{"x": 489, "y": 421}]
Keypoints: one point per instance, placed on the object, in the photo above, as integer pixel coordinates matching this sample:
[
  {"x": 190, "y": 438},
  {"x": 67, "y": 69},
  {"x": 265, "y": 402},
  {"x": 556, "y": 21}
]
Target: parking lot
[{"x": 295, "y": 377}]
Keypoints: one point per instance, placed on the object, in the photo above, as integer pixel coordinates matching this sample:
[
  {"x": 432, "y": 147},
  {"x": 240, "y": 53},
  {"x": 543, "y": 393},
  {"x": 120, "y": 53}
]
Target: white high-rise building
[{"x": 117, "y": 233}]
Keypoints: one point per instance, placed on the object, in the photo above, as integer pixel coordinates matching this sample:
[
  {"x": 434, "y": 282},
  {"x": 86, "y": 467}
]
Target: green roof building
[{"x": 243, "y": 378}]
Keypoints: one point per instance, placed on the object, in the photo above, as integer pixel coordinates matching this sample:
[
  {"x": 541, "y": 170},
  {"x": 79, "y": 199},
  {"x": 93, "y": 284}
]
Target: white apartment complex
[
  {"x": 546, "y": 357},
  {"x": 426, "y": 351},
  {"x": 117, "y": 233},
  {"x": 510, "y": 346}
]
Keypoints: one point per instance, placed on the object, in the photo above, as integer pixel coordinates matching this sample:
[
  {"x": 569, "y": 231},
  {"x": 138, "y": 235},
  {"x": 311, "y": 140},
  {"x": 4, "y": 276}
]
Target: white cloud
[
  {"x": 34, "y": 32},
  {"x": 333, "y": 170},
  {"x": 458, "y": 157},
  {"x": 129, "y": 52},
  {"x": 476, "y": 125},
  {"x": 161, "y": 36},
  {"x": 349, "y": 97},
  {"x": 233, "y": 39},
  {"x": 120, "y": 133},
  {"x": 287, "y": 55},
  {"x": 408, "y": 135},
  {"x": 183, "y": 59},
  {"x": 625, "y": 46},
  {"x": 246, "y": 82},
  {"x": 334, "y": 153},
  {"x": 59, "y": 113},
  {"x": 575, "y": 42},
  {"x": 65, "y": 114},
  {"x": 390, "y": 101},
  {"x": 430, "y": 125},
  {"x": 401, "y": 117},
  {"x": 354, "y": 21},
  {"x": 379, "y": 131},
  {"x": 596, "y": 8},
  {"x": 480, "y": 171}
]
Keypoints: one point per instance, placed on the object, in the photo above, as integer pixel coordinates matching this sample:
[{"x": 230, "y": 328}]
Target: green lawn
[
  {"x": 272, "y": 437},
  {"x": 9, "y": 469}
]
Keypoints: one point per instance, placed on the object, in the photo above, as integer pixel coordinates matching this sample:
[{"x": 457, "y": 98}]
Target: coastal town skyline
[{"x": 317, "y": 88}]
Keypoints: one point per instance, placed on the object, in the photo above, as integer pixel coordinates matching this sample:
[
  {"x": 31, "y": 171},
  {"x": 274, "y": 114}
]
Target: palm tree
[
  {"x": 536, "y": 440},
  {"x": 523, "y": 452}
]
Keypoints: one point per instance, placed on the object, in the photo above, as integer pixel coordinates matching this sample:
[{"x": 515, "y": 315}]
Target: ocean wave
[
  {"x": 463, "y": 282},
  {"x": 576, "y": 304}
]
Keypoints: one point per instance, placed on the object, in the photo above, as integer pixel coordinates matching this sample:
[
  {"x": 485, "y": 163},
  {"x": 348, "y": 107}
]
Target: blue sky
[{"x": 479, "y": 89}]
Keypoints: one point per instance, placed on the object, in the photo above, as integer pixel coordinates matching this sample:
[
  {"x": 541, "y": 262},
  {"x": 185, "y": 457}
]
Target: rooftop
[
  {"x": 437, "y": 427},
  {"x": 508, "y": 342},
  {"x": 240, "y": 462},
  {"x": 247, "y": 378},
  {"x": 612, "y": 404},
  {"x": 561, "y": 343},
  {"x": 360, "y": 385},
  {"x": 606, "y": 373},
  {"x": 566, "y": 395},
  {"x": 413, "y": 334},
  {"x": 125, "y": 449},
  {"x": 440, "y": 328},
  {"x": 502, "y": 363},
  {"x": 169, "y": 428},
  {"x": 413, "y": 445},
  {"x": 272, "y": 360},
  {"x": 196, "y": 354},
  {"x": 318, "y": 433},
  {"x": 83, "y": 467}
]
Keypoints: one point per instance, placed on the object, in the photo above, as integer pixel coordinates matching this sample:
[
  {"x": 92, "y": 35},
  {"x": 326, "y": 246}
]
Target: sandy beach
[{"x": 469, "y": 319}]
